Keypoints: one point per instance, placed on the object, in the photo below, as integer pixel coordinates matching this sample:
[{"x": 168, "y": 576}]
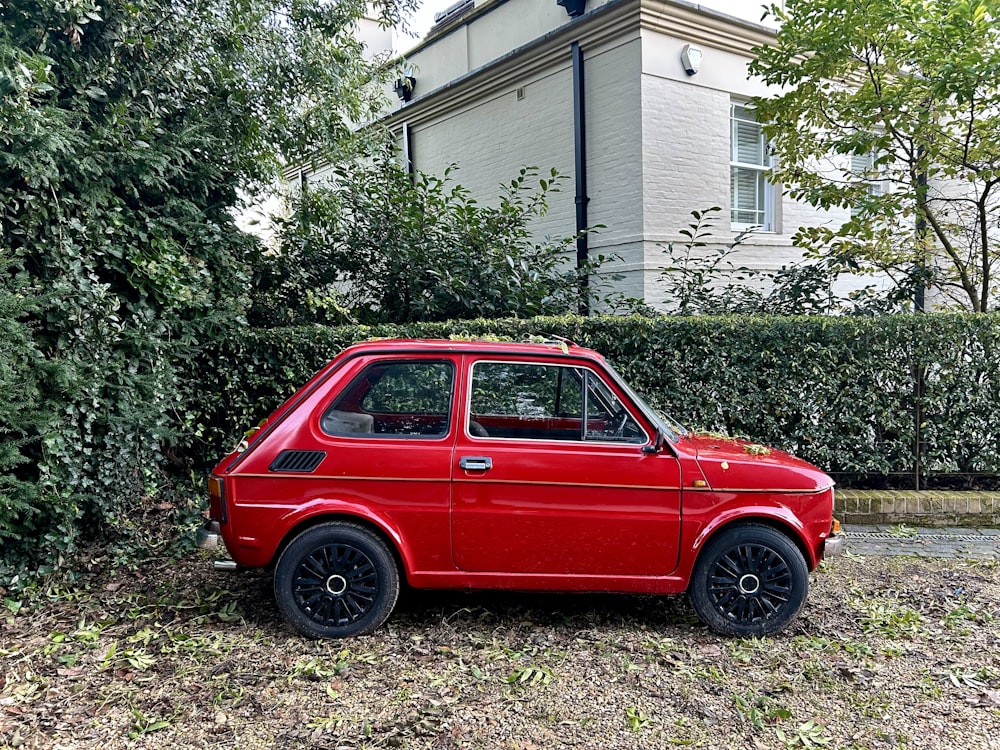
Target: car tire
[
  {"x": 750, "y": 580},
  {"x": 336, "y": 580}
]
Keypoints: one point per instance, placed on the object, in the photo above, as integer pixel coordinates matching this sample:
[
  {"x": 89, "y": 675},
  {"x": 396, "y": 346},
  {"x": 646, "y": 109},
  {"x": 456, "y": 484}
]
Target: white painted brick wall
[
  {"x": 658, "y": 148},
  {"x": 491, "y": 139},
  {"x": 685, "y": 152},
  {"x": 686, "y": 133},
  {"x": 614, "y": 149}
]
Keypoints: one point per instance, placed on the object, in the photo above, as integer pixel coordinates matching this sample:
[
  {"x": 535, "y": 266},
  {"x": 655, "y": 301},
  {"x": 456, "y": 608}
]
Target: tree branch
[{"x": 963, "y": 272}]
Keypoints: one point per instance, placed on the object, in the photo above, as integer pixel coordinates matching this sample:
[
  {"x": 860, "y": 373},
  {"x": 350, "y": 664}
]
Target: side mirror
[{"x": 656, "y": 447}]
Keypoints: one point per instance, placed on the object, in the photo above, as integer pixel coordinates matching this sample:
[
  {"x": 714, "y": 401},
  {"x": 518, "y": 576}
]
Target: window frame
[
  {"x": 588, "y": 372},
  {"x": 769, "y": 193},
  {"x": 870, "y": 173}
]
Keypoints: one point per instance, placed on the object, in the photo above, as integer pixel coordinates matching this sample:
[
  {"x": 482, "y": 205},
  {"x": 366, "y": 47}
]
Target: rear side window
[{"x": 394, "y": 399}]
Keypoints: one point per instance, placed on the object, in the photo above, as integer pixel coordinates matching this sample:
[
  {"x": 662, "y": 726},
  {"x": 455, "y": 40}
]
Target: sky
[{"x": 420, "y": 22}]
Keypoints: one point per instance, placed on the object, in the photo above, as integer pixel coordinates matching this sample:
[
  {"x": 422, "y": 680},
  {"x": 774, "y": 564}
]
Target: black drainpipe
[
  {"x": 408, "y": 151},
  {"x": 580, "y": 152}
]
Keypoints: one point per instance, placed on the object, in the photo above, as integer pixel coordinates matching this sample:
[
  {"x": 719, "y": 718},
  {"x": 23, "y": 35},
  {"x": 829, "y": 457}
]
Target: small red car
[{"x": 485, "y": 465}]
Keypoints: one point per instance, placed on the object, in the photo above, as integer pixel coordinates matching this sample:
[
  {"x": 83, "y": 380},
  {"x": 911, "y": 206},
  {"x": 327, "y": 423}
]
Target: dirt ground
[{"x": 889, "y": 653}]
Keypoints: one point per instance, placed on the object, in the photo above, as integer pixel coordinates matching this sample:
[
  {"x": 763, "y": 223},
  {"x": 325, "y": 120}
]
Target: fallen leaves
[{"x": 491, "y": 670}]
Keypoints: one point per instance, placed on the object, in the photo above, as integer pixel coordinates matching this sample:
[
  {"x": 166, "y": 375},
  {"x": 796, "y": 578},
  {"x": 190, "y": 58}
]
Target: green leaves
[
  {"x": 530, "y": 676},
  {"x": 128, "y": 129},
  {"x": 915, "y": 85},
  {"x": 381, "y": 246}
]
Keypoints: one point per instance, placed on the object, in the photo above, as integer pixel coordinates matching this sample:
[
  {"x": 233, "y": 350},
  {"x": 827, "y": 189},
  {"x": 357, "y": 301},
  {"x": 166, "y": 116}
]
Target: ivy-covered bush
[
  {"x": 27, "y": 408},
  {"x": 838, "y": 391},
  {"x": 130, "y": 132}
]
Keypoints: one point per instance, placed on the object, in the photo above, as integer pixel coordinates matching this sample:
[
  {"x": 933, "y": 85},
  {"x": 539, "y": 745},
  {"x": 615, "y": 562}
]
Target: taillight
[{"x": 216, "y": 499}]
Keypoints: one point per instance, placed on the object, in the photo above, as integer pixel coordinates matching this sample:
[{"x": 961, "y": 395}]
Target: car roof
[{"x": 546, "y": 347}]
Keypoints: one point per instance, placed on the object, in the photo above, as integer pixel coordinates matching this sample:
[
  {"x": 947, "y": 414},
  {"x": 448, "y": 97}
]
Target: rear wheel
[
  {"x": 749, "y": 580},
  {"x": 336, "y": 580}
]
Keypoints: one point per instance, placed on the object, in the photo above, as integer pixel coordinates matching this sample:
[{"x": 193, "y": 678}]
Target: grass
[{"x": 885, "y": 655}]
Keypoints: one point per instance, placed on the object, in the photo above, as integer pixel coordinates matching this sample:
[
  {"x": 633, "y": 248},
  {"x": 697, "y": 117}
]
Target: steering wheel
[{"x": 619, "y": 421}]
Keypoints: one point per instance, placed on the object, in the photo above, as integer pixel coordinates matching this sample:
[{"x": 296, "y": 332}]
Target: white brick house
[{"x": 495, "y": 89}]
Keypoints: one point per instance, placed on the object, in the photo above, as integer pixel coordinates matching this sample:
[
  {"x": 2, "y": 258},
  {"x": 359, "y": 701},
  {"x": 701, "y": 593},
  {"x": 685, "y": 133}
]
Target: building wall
[
  {"x": 686, "y": 149},
  {"x": 613, "y": 99},
  {"x": 494, "y": 92},
  {"x": 377, "y": 39},
  {"x": 491, "y": 137},
  {"x": 525, "y": 118}
]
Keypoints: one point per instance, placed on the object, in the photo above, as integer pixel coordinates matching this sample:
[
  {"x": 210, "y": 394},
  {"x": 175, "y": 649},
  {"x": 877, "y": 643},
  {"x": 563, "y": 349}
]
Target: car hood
[{"x": 728, "y": 463}]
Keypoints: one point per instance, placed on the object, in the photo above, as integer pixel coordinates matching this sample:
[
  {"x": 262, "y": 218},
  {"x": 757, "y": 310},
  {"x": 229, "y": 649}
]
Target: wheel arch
[
  {"x": 779, "y": 524},
  {"x": 382, "y": 531}
]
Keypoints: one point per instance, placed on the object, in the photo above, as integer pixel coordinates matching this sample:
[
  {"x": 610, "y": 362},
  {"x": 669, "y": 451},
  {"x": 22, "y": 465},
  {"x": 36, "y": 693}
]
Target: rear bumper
[
  {"x": 209, "y": 536},
  {"x": 834, "y": 545}
]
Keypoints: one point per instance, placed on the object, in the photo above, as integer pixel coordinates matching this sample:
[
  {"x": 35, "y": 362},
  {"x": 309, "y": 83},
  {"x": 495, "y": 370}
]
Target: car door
[{"x": 549, "y": 475}]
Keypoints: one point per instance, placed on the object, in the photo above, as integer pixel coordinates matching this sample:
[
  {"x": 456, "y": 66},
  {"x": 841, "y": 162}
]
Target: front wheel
[
  {"x": 336, "y": 580},
  {"x": 750, "y": 581}
]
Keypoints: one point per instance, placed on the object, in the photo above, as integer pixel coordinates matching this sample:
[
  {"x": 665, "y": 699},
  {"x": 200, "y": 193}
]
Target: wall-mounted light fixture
[
  {"x": 404, "y": 88},
  {"x": 691, "y": 59},
  {"x": 573, "y": 8}
]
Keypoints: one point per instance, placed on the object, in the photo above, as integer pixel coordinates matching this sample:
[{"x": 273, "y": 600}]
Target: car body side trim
[
  {"x": 342, "y": 478},
  {"x": 759, "y": 490}
]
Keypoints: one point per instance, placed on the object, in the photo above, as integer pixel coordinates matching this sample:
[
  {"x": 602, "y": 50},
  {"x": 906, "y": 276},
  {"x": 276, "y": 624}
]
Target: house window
[
  {"x": 863, "y": 167},
  {"x": 751, "y": 193}
]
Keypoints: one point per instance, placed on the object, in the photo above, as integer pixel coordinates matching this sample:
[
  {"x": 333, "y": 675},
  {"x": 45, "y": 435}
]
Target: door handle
[{"x": 476, "y": 463}]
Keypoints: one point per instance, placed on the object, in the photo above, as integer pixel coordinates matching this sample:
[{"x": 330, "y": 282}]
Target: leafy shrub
[
  {"x": 374, "y": 244},
  {"x": 838, "y": 391},
  {"x": 702, "y": 277},
  {"x": 25, "y": 410},
  {"x": 119, "y": 160}
]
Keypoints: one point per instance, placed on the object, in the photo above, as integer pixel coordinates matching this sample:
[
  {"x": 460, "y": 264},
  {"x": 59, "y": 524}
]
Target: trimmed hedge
[{"x": 838, "y": 391}]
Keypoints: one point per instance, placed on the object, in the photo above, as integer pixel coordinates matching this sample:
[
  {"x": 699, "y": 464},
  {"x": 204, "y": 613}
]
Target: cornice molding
[
  {"x": 697, "y": 24},
  {"x": 618, "y": 21}
]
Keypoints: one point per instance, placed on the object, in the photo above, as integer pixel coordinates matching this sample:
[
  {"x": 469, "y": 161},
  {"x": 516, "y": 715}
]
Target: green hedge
[{"x": 838, "y": 391}]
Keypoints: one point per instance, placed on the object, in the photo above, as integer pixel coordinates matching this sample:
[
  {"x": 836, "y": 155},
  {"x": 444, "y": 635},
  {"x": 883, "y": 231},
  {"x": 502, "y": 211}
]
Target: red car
[{"x": 484, "y": 465}]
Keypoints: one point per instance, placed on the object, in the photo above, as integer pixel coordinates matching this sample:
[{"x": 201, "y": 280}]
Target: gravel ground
[{"x": 889, "y": 653}]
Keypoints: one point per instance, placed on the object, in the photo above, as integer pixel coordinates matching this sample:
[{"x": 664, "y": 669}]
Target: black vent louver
[{"x": 297, "y": 461}]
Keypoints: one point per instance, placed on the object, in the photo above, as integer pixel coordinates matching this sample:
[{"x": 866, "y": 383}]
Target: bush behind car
[{"x": 849, "y": 394}]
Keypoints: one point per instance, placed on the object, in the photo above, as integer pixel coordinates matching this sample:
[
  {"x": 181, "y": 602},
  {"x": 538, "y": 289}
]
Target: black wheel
[
  {"x": 336, "y": 580},
  {"x": 749, "y": 580}
]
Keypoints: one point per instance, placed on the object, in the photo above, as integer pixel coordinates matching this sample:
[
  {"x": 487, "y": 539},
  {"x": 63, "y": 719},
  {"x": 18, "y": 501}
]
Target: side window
[
  {"x": 511, "y": 389},
  {"x": 398, "y": 399},
  {"x": 547, "y": 402}
]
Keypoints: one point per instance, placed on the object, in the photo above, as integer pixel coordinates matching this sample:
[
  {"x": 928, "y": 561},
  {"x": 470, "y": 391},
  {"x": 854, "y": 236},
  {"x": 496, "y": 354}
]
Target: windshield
[{"x": 671, "y": 428}]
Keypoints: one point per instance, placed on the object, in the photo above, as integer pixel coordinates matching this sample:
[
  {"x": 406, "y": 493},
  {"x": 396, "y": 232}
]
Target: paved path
[{"x": 973, "y": 544}]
